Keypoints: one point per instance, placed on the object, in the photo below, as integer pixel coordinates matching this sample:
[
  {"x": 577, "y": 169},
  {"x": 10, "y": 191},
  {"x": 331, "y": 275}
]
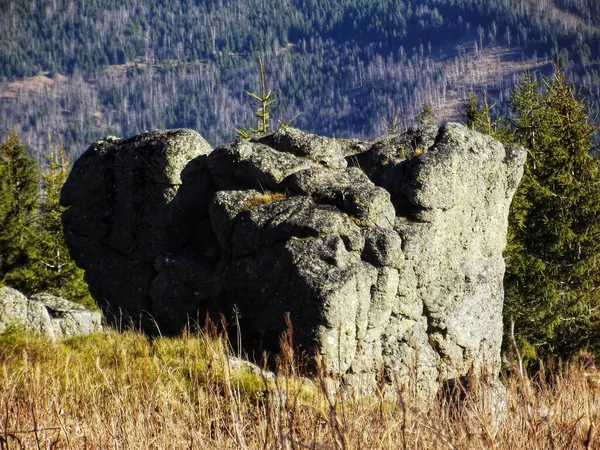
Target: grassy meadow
[{"x": 126, "y": 391}]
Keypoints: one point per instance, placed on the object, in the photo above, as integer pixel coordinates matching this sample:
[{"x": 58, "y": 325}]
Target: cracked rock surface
[{"x": 384, "y": 254}]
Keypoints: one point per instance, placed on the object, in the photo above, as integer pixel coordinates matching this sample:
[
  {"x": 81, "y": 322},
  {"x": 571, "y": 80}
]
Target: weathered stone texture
[
  {"x": 385, "y": 254},
  {"x": 125, "y": 212},
  {"x": 46, "y": 315}
]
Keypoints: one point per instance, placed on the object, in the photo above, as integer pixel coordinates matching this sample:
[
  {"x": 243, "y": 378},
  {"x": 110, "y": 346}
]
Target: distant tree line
[
  {"x": 69, "y": 36},
  {"x": 133, "y": 66}
]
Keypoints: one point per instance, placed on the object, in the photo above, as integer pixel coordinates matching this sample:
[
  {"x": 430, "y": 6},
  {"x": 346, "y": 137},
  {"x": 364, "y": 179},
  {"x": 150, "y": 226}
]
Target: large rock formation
[
  {"x": 45, "y": 314},
  {"x": 385, "y": 254}
]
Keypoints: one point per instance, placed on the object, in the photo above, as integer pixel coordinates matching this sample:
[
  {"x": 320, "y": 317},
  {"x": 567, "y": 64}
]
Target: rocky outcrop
[
  {"x": 46, "y": 315},
  {"x": 384, "y": 254},
  {"x": 127, "y": 209}
]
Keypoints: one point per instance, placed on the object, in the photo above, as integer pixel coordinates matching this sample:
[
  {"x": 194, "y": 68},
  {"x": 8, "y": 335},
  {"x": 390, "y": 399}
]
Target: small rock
[{"x": 46, "y": 315}]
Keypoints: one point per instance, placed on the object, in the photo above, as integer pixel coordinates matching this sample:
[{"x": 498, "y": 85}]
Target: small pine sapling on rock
[
  {"x": 479, "y": 118},
  {"x": 264, "y": 101}
]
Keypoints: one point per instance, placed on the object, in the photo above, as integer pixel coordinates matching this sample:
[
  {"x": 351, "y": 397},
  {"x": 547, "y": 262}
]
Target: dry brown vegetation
[
  {"x": 37, "y": 85},
  {"x": 124, "y": 391},
  {"x": 263, "y": 199}
]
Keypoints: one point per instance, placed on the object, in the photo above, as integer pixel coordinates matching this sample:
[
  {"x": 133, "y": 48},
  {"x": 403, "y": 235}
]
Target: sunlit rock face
[
  {"x": 46, "y": 315},
  {"x": 386, "y": 255}
]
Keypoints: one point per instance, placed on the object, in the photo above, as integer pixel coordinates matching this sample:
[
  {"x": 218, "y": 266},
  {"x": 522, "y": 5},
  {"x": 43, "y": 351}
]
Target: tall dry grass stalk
[{"x": 124, "y": 391}]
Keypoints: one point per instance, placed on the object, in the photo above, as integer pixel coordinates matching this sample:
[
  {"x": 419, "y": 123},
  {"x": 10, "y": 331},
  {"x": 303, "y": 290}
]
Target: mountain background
[{"x": 72, "y": 72}]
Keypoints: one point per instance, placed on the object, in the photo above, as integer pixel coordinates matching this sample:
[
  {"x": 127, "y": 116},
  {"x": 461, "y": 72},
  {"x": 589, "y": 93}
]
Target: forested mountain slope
[{"x": 72, "y": 72}]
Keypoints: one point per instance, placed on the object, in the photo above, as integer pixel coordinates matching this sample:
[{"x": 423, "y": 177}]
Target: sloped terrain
[{"x": 133, "y": 67}]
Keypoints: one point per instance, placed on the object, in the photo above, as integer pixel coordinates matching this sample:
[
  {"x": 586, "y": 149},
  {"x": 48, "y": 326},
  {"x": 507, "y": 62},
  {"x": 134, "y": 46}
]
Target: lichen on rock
[{"x": 386, "y": 254}]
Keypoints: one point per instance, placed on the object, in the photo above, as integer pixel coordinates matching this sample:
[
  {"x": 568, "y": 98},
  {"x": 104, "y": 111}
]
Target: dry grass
[
  {"x": 37, "y": 85},
  {"x": 418, "y": 151},
  {"x": 123, "y": 391},
  {"x": 263, "y": 199}
]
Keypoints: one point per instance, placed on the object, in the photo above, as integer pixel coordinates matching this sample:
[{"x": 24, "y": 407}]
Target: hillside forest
[{"x": 72, "y": 72}]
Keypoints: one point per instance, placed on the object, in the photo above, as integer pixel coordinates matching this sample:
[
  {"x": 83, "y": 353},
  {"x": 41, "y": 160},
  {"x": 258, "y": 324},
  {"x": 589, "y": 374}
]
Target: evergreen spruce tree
[
  {"x": 18, "y": 199},
  {"x": 264, "y": 101},
  {"x": 425, "y": 114},
  {"x": 479, "y": 118},
  {"x": 553, "y": 254},
  {"x": 51, "y": 268},
  {"x": 474, "y": 116}
]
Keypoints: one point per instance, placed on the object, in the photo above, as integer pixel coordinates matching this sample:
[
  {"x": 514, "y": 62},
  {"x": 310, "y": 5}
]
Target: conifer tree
[
  {"x": 553, "y": 254},
  {"x": 51, "y": 268},
  {"x": 425, "y": 114},
  {"x": 473, "y": 115},
  {"x": 264, "y": 101},
  {"x": 479, "y": 118},
  {"x": 18, "y": 197}
]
